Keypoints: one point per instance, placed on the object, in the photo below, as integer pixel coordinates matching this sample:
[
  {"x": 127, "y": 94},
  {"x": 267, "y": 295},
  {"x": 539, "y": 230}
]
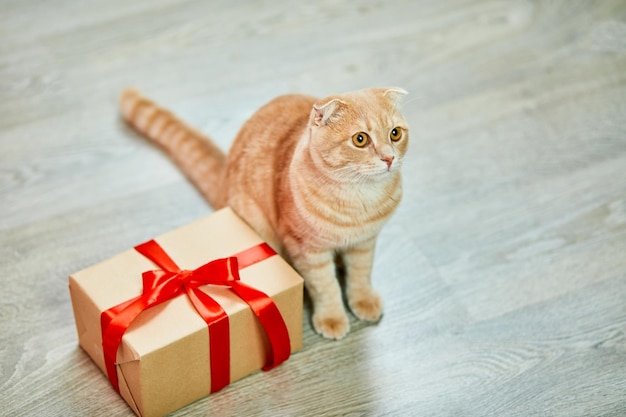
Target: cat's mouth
[
  {"x": 388, "y": 160},
  {"x": 389, "y": 165},
  {"x": 379, "y": 171}
]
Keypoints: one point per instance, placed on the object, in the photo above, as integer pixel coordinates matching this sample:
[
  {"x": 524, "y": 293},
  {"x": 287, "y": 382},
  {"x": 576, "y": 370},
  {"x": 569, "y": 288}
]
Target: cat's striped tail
[{"x": 195, "y": 154}]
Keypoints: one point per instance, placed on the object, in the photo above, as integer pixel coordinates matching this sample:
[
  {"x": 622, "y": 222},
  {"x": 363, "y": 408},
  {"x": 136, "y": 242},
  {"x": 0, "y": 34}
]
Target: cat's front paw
[
  {"x": 366, "y": 305},
  {"x": 331, "y": 326}
]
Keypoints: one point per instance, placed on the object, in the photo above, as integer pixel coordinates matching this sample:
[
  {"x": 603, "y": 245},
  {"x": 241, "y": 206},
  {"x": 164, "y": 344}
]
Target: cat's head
[{"x": 359, "y": 136}]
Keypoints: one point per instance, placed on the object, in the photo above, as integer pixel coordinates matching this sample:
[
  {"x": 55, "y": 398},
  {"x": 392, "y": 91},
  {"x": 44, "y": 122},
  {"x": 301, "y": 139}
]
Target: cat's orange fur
[{"x": 296, "y": 175}]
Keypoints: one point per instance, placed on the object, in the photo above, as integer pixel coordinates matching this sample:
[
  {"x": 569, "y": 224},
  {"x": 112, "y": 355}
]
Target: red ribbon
[{"x": 170, "y": 281}]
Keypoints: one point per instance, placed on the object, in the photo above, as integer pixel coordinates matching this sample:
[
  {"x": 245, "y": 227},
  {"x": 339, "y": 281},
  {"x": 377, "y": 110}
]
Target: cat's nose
[{"x": 387, "y": 159}]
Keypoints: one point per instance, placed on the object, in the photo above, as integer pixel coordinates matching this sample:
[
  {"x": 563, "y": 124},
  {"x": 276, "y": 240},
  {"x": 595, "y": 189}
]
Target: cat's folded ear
[
  {"x": 394, "y": 94},
  {"x": 326, "y": 112}
]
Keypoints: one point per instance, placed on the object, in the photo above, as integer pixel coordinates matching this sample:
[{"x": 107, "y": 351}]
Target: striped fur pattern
[{"x": 316, "y": 178}]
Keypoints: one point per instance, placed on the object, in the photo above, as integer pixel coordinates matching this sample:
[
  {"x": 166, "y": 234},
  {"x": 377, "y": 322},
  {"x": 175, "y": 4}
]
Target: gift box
[{"x": 183, "y": 315}]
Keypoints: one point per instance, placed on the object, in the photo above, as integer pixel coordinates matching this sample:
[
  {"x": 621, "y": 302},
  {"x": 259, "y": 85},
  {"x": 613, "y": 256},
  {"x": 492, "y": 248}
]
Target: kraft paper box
[{"x": 163, "y": 359}]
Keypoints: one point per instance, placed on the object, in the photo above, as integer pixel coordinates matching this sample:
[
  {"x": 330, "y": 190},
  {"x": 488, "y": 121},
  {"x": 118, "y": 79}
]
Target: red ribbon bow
[{"x": 170, "y": 281}]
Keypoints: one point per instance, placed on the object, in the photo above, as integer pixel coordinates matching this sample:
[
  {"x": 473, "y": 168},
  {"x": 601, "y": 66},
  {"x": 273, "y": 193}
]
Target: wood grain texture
[{"x": 503, "y": 272}]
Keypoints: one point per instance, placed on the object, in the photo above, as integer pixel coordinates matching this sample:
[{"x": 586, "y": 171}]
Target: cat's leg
[
  {"x": 363, "y": 300},
  {"x": 318, "y": 271}
]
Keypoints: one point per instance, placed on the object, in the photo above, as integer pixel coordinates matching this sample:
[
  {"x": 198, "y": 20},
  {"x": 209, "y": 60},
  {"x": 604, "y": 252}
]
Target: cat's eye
[
  {"x": 395, "y": 134},
  {"x": 360, "y": 139}
]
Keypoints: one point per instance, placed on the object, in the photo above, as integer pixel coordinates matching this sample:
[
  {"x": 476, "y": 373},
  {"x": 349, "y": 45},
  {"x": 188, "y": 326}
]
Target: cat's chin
[{"x": 370, "y": 179}]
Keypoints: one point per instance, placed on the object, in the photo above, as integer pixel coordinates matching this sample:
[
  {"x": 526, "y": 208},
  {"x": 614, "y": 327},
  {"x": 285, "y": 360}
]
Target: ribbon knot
[{"x": 170, "y": 281}]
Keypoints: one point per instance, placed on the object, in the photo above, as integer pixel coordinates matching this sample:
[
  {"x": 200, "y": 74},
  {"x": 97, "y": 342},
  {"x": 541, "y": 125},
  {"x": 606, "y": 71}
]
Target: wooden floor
[{"x": 503, "y": 272}]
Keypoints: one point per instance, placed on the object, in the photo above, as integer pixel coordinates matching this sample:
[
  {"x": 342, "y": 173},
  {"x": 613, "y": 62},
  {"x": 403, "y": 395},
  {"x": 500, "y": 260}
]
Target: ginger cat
[{"x": 317, "y": 179}]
